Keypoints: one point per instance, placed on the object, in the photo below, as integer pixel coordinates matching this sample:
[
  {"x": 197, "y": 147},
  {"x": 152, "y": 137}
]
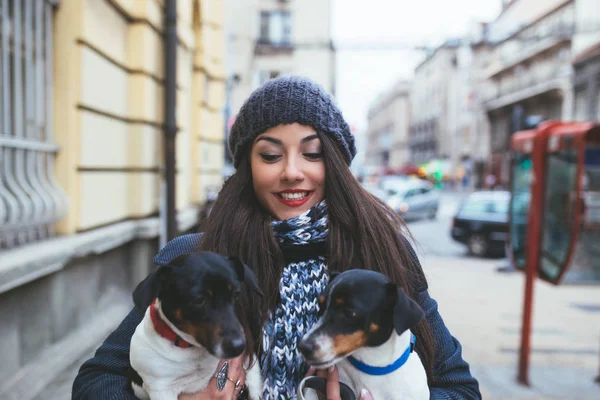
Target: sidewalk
[{"x": 483, "y": 307}]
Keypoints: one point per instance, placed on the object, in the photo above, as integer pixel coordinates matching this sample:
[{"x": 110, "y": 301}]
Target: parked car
[
  {"x": 413, "y": 198},
  {"x": 375, "y": 191},
  {"x": 482, "y": 223},
  {"x": 391, "y": 181}
]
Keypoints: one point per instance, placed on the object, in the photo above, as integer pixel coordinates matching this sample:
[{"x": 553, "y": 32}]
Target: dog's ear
[
  {"x": 148, "y": 289},
  {"x": 245, "y": 274},
  {"x": 326, "y": 293},
  {"x": 333, "y": 275},
  {"x": 407, "y": 312}
]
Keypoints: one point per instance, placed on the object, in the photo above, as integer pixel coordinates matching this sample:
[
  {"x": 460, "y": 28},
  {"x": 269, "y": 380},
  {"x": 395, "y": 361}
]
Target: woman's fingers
[
  {"x": 236, "y": 368},
  {"x": 322, "y": 373},
  {"x": 237, "y": 375},
  {"x": 333, "y": 384}
]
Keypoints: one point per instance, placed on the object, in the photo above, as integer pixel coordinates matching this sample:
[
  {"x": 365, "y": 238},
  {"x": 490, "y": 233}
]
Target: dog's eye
[
  {"x": 349, "y": 313},
  {"x": 200, "y": 302}
]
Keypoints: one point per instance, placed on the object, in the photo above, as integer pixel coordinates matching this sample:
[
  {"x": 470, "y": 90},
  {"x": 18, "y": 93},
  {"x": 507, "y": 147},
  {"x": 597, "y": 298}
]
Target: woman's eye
[
  {"x": 270, "y": 157},
  {"x": 313, "y": 156}
]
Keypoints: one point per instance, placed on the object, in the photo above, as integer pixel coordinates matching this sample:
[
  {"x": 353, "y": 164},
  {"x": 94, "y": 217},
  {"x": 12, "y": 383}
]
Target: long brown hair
[{"x": 363, "y": 233}]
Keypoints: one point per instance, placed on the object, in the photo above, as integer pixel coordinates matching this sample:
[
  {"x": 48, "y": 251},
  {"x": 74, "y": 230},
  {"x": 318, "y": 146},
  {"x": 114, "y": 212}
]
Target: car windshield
[
  {"x": 398, "y": 191},
  {"x": 486, "y": 204},
  {"x": 501, "y": 206}
]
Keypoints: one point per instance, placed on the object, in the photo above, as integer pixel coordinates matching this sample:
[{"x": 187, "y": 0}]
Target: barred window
[{"x": 30, "y": 199}]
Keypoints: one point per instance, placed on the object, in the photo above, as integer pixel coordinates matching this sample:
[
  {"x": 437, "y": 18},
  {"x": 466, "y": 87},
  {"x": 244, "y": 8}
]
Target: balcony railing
[
  {"x": 30, "y": 199},
  {"x": 265, "y": 46},
  {"x": 532, "y": 77}
]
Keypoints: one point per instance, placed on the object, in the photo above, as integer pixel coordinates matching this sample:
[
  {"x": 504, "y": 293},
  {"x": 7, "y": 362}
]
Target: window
[
  {"x": 276, "y": 28},
  {"x": 500, "y": 206},
  {"x": 519, "y": 206},
  {"x": 476, "y": 206},
  {"x": 589, "y": 236},
  {"x": 30, "y": 199},
  {"x": 560, "y": 200},
  {"x": 263, "y": 76}
]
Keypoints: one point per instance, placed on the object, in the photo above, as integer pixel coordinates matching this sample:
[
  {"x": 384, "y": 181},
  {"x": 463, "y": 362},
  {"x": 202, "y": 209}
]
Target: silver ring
[
  {"x": 240, "y": 392},
  {"x": 222, "y": 376}
]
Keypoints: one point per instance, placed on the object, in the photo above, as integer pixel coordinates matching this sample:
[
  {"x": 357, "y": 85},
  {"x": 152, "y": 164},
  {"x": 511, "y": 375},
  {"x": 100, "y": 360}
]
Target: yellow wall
[
  {"x": 208, "y": 130},
  {"x": 109, "y": 108}
]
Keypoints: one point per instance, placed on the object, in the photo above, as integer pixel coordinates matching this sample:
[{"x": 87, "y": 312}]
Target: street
[
  {"x": 433, "y": 236},
  {"x": 482, "y": 308}
]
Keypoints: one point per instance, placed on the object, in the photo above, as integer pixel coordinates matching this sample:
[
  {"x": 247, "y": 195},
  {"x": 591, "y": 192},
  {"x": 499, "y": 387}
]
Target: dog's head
[
  {"x": 198, "y": 294},
  {"x": 358, "y": 308}
]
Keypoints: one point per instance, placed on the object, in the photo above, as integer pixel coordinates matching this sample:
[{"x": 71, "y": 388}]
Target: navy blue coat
[{"x": 105, "y": 376}]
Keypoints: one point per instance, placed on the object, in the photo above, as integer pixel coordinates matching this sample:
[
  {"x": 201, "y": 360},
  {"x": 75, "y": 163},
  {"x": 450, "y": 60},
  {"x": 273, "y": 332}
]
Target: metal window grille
[{"x": 30, "y": 199}]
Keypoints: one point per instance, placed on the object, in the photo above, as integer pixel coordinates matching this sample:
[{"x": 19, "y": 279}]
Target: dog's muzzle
[{"x": 319, "y": 384}]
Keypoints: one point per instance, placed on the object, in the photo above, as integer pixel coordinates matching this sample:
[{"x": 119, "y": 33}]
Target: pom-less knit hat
[{"x": 286, "y": 100}]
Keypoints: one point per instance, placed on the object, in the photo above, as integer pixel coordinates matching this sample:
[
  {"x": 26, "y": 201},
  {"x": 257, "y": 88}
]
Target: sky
[{"x": 363, "y": 74}]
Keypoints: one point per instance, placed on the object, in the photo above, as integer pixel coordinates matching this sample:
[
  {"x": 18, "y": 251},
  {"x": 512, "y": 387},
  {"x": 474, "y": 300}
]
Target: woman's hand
[
  {"x": 333, "y": 383},
  {"x": 230, "y": 391}
]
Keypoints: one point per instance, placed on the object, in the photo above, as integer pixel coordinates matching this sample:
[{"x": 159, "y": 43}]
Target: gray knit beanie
[{"x": 286, "y": 100}]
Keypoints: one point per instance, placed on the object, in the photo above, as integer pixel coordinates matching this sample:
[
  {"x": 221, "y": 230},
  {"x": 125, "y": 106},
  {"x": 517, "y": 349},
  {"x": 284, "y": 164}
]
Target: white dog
[
  {"x": 365, "y": 330},
  {"x": 190, "y": 325}
]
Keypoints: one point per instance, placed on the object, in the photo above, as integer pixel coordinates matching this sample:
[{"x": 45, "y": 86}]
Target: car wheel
[
  {"x": 432, "y": 213},
  {"x": 478, "y": 245}
]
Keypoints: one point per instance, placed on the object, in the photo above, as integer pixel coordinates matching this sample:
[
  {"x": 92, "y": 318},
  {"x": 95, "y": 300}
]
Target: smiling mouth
[
  {"x": 293, "y": 196},
  {"x": 293, "y": 199}
]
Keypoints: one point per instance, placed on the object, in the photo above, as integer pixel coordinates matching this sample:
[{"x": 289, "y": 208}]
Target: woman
[{"x": 293, "y": 212}]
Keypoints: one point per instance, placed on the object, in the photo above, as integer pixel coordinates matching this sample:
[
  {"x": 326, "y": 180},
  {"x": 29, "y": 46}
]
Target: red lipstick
[{"x": 294, "y": 202}]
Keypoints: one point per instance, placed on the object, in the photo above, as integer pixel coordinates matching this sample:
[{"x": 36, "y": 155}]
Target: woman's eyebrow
[
  {"x": 309, "y": 138},
  {"x": 269, "y": 139},
  {"x": 279, "y": 142}
]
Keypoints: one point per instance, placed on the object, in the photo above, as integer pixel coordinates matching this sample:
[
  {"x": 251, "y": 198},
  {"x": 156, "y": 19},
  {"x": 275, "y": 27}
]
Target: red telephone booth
[
  {"x": 555, "y": 203},
  {"x": 554, "y": 215}
]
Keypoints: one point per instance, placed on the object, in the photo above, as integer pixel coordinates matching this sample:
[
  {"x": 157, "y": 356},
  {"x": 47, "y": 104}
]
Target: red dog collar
[{"x": 161, "y": 327}]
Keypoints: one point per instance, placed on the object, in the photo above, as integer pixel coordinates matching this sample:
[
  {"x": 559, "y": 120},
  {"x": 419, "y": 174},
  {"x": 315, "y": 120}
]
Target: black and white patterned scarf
[{"x": 303, "y": 243}]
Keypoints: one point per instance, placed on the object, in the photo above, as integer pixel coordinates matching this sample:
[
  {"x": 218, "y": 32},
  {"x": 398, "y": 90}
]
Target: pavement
[{"x": 482, "y": 307}]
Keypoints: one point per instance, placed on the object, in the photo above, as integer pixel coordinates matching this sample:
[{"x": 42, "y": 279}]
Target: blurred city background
[{"x": 114, "y": 116}]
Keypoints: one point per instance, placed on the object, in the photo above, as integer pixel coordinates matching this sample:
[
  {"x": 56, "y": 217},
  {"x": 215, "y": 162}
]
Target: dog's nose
[
  {"x": 306, "y": 346},
  {"x": 234, "y": 347}
]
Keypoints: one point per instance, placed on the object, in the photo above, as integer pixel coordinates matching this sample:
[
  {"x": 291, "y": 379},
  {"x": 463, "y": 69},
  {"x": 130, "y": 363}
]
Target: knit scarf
[{"x": 302, "y": 240}]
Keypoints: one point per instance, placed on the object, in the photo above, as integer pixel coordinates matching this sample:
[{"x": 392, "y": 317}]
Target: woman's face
[{"x": 288, "y": 170}]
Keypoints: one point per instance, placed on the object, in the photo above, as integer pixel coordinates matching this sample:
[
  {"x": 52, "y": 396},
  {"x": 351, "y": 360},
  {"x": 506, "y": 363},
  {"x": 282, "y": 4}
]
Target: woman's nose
[{"x": 291, "y": 172}]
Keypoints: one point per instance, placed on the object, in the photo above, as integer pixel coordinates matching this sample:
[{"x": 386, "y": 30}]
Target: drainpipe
[{"x": 168, "y": 209}]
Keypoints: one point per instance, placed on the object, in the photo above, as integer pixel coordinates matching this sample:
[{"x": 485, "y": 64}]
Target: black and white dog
[
  {"x": 190, "y": 324},
  {"x": 364, "y": 329}
]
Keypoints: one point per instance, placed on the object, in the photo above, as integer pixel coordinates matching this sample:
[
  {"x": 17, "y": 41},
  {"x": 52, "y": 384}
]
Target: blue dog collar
[{"x": 370, "y": 370}]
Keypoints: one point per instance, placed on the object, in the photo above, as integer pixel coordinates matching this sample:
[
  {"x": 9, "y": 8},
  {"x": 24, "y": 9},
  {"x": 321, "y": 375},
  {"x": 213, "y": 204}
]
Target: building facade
[
  {"x": 387, "y": 130},
  {"x": 430, "y": 136},
  {"x": 268, "y": 38},
  {"x": 82, "y": 115},
  {"x": 527, "y": 72},
  {"x": 586, "y": 61}
]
